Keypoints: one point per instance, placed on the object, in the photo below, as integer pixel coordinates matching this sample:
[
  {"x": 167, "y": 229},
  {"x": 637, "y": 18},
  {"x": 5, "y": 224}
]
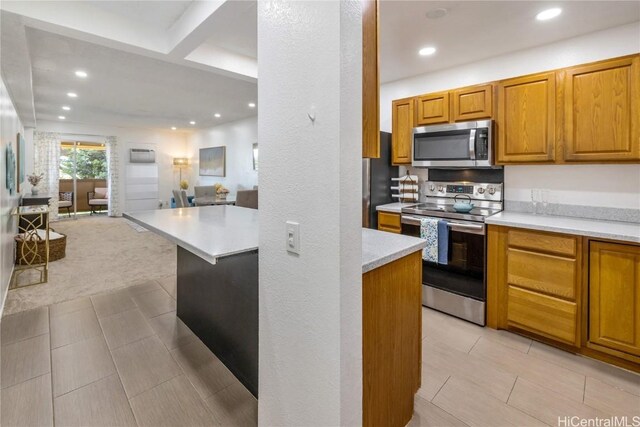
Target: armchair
[{"x": 97, "y": 199}]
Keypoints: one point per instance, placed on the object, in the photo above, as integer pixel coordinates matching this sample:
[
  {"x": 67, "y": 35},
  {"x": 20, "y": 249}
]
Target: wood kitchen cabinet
[
  {"x": 388, "y": 221},
  {"x": 402, "y": 116},
  {"x": 472, "y": 103},
  {"x": 614, "y": 297},
  {"x": 370, "y": 79},
  {"x": 432, "y": 109},
  {"x": 526, "y": 124},
  {"x": 578, "y": 293},
  {"x": 602, "y": 111},
  {"x": 537, "y": 276}
]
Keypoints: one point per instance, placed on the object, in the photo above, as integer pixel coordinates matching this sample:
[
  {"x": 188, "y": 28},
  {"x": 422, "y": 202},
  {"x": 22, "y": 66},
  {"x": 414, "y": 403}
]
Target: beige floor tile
[
  {"x": 171, "y": 330},
  {"x": 73, "y": 327},
  {"x": 432, "y": 380},
  {"x": 113, "y": 303},
  {"x": 172, "y": 403},
  {"x": 234, "y": 406},
  {"x": 440, "y": 327},
  {"x": 124, "y": 328},
  {"x": 155, "y": 303},
  {"x": 548, "y": 406},
  {"x": 24, "y": 360},
  {"x": 28, "y": 404},
  {"x": 614, "y": 401},
  {"x": 102, "y": 403},
  {"x": 205, "y": 371},
  {"x": 69, "y": 306},
  {"x": 542, "y": 372},
  {"x": 617, "y": 377},
  {"x": 23, "y": 325},
  {"x": 142, "y": 287},
  {"x": 426, "y": 414},
  {"x": 81, "y": 363},
  {"x": 471, "y": 404},
  {"x": 144, "y": 364},
  {"x": 169, "y": 284},
  {"x": 440, "y": 358},
  {"x": 465, "y": 331}
]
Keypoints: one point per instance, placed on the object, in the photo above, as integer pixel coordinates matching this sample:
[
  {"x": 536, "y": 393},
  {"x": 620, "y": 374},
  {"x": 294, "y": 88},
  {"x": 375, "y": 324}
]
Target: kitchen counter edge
[{"x": 380, "y": 248}]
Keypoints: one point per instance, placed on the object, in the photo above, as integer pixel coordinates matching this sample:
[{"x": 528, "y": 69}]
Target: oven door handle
[{"x": 455, "y": 226}]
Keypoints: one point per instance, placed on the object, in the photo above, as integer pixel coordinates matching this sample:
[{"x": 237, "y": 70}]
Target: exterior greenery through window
[{"x": 91, "y": 162}]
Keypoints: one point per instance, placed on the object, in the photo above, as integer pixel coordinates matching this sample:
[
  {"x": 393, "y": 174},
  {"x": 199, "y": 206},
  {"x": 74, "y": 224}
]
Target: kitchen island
[{"x": 217, "y": 297}]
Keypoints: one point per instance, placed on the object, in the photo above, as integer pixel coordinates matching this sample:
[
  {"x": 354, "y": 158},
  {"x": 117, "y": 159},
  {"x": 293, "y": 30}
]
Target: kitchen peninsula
[{"x": 217, "y": 297}]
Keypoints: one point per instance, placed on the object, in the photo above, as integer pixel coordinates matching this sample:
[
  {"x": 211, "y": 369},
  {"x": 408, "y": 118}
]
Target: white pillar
[{"x": 310, "y": 64}]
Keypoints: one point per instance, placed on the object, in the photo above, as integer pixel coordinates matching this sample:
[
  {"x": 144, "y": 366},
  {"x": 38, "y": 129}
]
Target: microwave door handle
[{"x": 472, "y": 144}]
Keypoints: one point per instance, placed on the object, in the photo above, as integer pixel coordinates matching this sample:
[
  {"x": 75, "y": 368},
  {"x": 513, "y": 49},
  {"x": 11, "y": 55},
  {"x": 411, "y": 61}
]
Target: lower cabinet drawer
[
  {"x": 389, "y": 222},
  {"x": 538, "y": 272},
  {"x": 544, "y": 315}
]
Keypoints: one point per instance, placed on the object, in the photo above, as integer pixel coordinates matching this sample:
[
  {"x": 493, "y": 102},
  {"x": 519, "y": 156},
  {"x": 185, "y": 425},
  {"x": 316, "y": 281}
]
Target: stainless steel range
[{"x": 457, "y": 286}]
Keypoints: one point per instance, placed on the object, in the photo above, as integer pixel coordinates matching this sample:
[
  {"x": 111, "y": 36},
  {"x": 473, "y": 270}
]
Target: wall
[
  {"x": 310, "y": 369},
  {"x": 238, "y": 138},
  {"x": 9, "y": 126},
  {"x": 168, "y": 144},
  {"x": 572, "y": 184}
]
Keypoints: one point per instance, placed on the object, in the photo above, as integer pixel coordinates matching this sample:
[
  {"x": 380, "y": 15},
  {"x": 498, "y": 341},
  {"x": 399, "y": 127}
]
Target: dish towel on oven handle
[
  {"x": 443, "y": 242},
  {"x": 429, "y": 232},
  {"x": 436, "y": 233}
]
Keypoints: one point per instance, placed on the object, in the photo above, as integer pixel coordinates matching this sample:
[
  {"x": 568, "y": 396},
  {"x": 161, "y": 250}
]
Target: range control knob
[
  {"x": 432, "y": 187},
  {"x": 480, "y": 190},
  {"x": 441, "y": 189},
  {"x": 492, "y": 191}
]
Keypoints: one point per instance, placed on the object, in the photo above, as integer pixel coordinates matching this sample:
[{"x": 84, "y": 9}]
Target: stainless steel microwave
[{"x": 466, "y": 144}]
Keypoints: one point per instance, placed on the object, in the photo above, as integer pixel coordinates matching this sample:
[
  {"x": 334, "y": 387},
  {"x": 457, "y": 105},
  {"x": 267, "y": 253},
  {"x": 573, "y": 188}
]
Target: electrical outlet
[{"x": 293, "y": 237}]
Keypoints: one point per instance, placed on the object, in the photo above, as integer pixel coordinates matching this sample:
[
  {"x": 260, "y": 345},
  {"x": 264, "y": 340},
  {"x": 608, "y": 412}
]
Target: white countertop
[
  {"x": 210, "y": 232},
  {"x": 624, "y": 231},
  {"x": 213, "y": 232},
  {"x": 395, "y": 207},
  {"x": 380, "y": 247}
]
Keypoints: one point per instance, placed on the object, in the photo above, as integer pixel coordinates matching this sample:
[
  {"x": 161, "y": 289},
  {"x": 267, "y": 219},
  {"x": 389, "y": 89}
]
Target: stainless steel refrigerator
[{"x": 376, "y": 182}]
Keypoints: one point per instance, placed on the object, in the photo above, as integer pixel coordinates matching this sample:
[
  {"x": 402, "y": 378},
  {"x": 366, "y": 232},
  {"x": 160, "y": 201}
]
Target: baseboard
[{"x": 4, "y": 297}]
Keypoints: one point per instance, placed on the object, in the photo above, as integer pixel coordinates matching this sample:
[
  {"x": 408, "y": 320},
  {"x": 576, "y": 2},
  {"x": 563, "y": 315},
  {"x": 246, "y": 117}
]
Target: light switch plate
[{"x": 293, "y": 237}]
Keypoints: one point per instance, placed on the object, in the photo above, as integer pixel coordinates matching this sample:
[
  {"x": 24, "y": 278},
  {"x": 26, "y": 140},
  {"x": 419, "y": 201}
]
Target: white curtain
[
  {"x": 47, "y": 163},
  {"x": 113, "y": 161}
]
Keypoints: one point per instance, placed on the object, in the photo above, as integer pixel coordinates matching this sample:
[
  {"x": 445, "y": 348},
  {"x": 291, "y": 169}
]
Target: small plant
[
  {"x": 184, "y": 184},
  {"x": 221, "y": 189},
  {"x": 34, "y": 179}
]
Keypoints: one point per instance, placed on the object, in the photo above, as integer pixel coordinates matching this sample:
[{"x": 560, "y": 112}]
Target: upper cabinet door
[
  {"x": 614, "y": 296},
  {"x": 602, "y": 112},
  {"x": 402, "y": 131},
  {"x": 473, "y": 103},
  {"x": 370, "y": 80},
  {"x": 433, "y": 109},
  {"x": 527, "y": 119}
]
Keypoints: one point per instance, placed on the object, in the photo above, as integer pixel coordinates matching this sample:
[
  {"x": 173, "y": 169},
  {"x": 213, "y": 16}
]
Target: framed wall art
[{"x": 213, "y": 161}]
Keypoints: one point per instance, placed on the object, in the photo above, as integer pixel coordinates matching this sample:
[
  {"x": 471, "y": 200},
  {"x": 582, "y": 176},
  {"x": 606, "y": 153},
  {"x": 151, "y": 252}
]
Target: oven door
[{"x": 464, "y": 273}]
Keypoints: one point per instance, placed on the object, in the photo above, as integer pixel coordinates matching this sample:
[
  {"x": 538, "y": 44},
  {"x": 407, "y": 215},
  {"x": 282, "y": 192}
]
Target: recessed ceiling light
[
  {"x": 192, "y": 122},
  {"x": 426, "y": 51},
  {"x": 548, "y": 14},
  {"x": 66, "y": 108},
  {"x": 81, "y": 73},
  {"x": 217, "y": 115},
  {"x": 61, "y": 117},
  {"x": 72, "y": 95},
  {"x": 173, "y": 128},
  {"x": 437, "y": 13},
  {"x": 252, "y": 105}
]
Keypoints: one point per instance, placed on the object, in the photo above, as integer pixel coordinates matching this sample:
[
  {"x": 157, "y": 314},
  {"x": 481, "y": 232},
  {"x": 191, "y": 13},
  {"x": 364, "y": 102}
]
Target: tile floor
[
  {"x": 482, "y": 377},
  {"x": 116, "y": 359},
  {"x": 123, "y": 358}
]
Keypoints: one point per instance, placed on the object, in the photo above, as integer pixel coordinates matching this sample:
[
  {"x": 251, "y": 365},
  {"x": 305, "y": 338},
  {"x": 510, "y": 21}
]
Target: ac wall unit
[{"x": 142, "y": 155}]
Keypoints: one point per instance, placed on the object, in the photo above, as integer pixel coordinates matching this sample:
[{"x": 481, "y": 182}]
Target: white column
[{"x": 310, "y": 62}]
